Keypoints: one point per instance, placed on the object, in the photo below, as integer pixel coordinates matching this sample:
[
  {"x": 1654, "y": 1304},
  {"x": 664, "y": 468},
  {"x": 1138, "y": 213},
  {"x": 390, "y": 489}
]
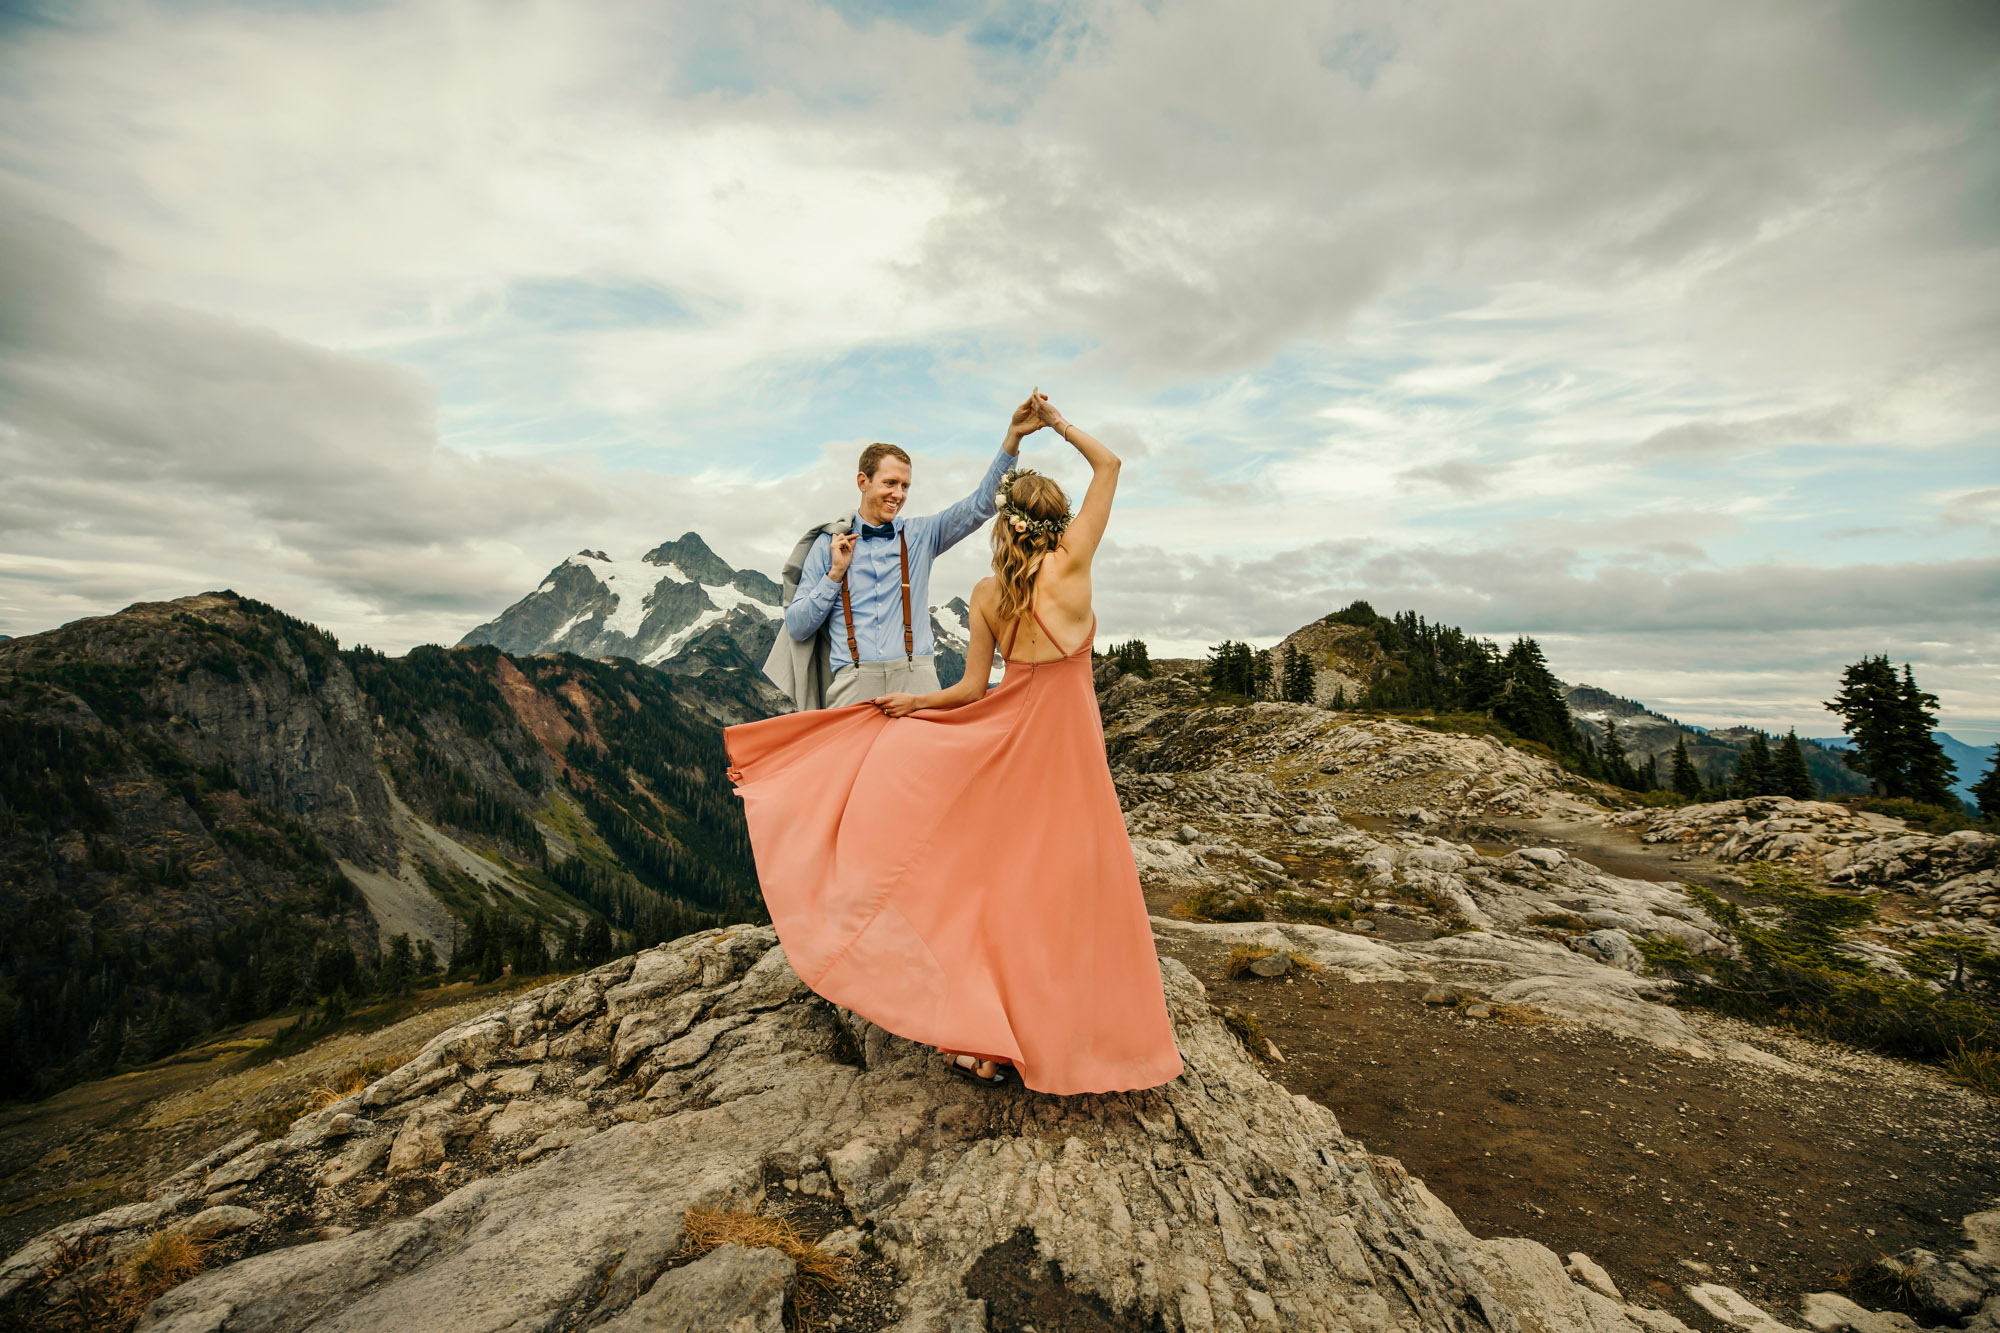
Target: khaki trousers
[{"x": 859, "y": 682}]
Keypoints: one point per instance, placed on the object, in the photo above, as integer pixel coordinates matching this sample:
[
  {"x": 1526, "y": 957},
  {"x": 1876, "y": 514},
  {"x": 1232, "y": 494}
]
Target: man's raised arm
[
  {"x": 817, "y": 592},
  {"x": 953, "y": 525}
]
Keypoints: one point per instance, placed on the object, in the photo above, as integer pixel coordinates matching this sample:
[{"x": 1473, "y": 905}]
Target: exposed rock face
[{"x": 1217, "y": 1202}]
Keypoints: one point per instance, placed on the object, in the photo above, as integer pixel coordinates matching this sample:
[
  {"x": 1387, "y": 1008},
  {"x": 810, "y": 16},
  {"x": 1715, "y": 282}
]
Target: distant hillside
[
  {"x": 1969, "y": 761},
  {"x": 1402, "y": 661},
  {"x": 1647, "y": 734},
  {"x": 209, "y": 811}
]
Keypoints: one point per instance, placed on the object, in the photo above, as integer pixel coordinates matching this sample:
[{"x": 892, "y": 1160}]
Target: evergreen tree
[
  {"x": 1616, "y": 763},
  {"x": 1532, "y": 703},
  {"x": 1986, "y": 791},
  {"x": 397, "y": 968},
  {"x": 1260, "y": 675},
  {"x": 1686, "y": 781},
  {"x": 597, "y": 941},
  {"x": 1790, "y": 776},
  {"x": 427, "y": 959},
  {"x": 1927, "y": 770},
  {"x": 1232, "y": 669},
  {"x": 1132, "y": 658},
  {"x": 1480, "y": 683},
  {"x": 1754, "y": 776},
  {"x": 1870, "y": 708},
  {"x": 1298, "y": 676},
  {"x": 1649, "y": 774}
]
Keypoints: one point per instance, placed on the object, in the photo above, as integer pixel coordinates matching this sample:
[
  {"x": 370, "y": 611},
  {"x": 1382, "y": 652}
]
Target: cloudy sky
[{"x": 1667, "y": 332}]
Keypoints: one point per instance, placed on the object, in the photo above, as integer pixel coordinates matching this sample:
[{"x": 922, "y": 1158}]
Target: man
[{"x": 870, "y": 587}]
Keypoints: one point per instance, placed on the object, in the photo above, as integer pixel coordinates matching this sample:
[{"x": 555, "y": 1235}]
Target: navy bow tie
[{"x": 869, "y": 533}]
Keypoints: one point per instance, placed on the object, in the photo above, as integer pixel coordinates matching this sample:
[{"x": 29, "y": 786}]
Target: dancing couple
[{"x": 951, "y": 864}]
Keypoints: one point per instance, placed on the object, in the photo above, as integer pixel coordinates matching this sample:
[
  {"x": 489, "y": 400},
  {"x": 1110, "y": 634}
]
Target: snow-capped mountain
[
  {"x": 678, "y": 607},
  {"x": 952, "y": 631}
]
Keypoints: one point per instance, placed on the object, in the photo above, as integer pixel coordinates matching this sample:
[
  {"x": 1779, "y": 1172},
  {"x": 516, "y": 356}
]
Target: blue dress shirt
[{"x": 874, "y": 577}]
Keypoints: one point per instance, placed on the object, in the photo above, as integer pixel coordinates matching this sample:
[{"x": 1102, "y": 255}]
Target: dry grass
[
  {"x": 1249, "y": 1030},
  {"x": 706, "y": 1228},
  {"x": 1975, "y": 1068},
  {"x": 1520, "y": 1015},
  {"x": 101, "y": 1299},
  {"x": 1243, "y": 955}
]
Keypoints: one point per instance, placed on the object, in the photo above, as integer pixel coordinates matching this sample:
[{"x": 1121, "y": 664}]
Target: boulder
[{"x": 728, "y": 1290}]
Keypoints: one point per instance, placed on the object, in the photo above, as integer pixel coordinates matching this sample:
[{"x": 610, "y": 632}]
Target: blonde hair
[{"x": 1018, "y": 556}]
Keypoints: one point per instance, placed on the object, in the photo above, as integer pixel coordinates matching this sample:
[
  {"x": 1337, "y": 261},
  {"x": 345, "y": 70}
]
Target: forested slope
[{"x": 210, "y": 811}]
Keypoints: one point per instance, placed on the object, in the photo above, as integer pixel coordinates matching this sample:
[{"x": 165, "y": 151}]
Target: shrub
[
  {"x": 1917, "y": 814},
  {"x": 1213, "y": 904},
  {"x": 1793, "y": 970},
  {"x": 1314, "y": 909}
]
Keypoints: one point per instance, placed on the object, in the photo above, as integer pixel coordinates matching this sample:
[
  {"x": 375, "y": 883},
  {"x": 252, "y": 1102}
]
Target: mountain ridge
[{"x": 220, "y": 810}]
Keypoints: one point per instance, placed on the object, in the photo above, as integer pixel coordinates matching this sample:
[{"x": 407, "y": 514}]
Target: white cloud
[{"x": 1527, "y": 306}]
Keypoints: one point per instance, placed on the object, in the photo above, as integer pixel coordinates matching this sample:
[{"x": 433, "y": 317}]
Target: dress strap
[{"x": 1044, "y": 628}]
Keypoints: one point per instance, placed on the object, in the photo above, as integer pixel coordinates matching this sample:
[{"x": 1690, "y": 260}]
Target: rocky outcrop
[
  {"x": 1371, "y": 764},
  {"x": 555, "y": 1145},
  {"x": 1531, "y": 926},
  {"x": 1959, "y": 872}
]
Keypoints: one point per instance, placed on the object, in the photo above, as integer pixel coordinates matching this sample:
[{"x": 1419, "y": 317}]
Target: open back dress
[{"x": 962, "y": 877}]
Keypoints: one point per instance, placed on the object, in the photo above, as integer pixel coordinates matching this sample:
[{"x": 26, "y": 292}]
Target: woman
[{"x": 954, "y": 866}]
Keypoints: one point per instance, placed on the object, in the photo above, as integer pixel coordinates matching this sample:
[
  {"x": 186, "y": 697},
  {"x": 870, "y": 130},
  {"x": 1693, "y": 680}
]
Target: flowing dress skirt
[{"x": 963, "y": 877}]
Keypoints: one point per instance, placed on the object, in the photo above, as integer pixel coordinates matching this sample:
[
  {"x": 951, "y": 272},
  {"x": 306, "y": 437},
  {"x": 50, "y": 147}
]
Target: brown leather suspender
[
  {"x": 847, "y": 610},
  {"x": 909, "y": 639}
]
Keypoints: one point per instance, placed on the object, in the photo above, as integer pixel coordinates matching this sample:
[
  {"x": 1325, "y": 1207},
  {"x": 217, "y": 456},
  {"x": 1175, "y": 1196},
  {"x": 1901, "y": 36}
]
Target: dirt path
[{"x": 1667, "y": 1171}]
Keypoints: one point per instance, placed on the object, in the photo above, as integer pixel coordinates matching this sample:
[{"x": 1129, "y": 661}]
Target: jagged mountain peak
[{"x": 677, "y": 606}]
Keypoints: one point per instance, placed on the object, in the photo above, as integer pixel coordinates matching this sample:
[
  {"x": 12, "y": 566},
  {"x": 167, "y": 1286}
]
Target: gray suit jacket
[{"x": 804, "y": 670}]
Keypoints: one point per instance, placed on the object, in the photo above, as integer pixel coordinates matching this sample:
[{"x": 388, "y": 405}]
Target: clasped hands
[{"x": 1034, "y": 414}]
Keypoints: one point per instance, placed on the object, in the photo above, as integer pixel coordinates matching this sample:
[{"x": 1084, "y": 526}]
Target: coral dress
[{"x": 962, "y": 876}]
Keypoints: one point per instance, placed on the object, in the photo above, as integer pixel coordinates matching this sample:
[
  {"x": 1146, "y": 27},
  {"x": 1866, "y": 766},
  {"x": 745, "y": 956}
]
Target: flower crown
[{"x": 1023, "y": 521}]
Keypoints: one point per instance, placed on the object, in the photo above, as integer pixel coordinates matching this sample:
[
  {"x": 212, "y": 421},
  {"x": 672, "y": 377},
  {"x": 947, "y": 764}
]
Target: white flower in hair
[
  {"x": 1020, "y": 525},
  {"x": 999, "y": 499}
]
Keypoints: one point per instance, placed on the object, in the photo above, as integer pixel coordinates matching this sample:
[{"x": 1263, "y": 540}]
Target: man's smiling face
[{"x": 882, "y": 495}]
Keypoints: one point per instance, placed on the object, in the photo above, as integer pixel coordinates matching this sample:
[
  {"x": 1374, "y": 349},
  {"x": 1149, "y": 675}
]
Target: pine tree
[
  {"x": 1686, "y": 781},
  {"x": 1232, "y": 669},
  {"x": 1649, "y": 776},
  {"x": 1132, "y": 657},
  {"x": 1790, "y": 776},
  {"x": 1986, "y": 791},
  {"x": 1753, "y": 768},
  {"x": 1617, "y": 764},
  {"x": 1260, "y": 675},
  {"x": 1298, "y": 676},
  {"x": 1927, "y": 770},
  {"x": 1870, "y": 708},
  {"x": 398, "y": 966},
  {"x": 597, "y": 941},
  {"x": 1532, "y": 704}
]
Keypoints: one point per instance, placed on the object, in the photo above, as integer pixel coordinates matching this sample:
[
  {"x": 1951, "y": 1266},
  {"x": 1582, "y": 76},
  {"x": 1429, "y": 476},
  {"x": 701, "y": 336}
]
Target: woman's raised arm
[{"x": 1087, "y": 528}]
